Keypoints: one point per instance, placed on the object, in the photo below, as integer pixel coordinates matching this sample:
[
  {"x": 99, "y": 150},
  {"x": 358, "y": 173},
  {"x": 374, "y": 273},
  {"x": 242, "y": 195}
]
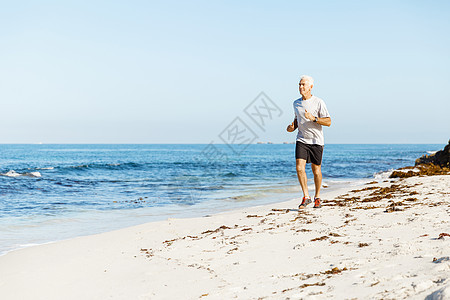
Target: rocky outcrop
[
  {"x": 420, "y": 170},
  {"x": 427, "y": 165},
  {"x": 440, "y": 158}
]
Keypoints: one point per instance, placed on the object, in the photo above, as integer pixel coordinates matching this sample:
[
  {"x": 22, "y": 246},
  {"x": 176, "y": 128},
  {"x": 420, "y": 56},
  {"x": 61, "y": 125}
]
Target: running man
[{"x": 310, "y": 115}]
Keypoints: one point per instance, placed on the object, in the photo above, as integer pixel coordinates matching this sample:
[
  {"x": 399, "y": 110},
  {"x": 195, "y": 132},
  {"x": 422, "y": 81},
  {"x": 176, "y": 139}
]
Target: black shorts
[{"x": 310, "y": 153}]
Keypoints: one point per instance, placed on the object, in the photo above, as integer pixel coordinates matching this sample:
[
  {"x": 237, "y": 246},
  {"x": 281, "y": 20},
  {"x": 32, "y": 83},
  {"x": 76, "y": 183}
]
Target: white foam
[
  {"x": 383, "y": 175},
  {"x": 13, "y": 173},
  {"x": 407, "y": 170}
]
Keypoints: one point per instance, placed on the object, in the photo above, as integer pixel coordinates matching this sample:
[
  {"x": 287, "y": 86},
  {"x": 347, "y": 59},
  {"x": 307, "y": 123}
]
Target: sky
[{"x": 183, "y": 71}]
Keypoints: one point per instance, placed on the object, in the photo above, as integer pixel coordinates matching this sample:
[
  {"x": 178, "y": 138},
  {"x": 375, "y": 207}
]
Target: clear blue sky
[{"x": 181, "y": 71}]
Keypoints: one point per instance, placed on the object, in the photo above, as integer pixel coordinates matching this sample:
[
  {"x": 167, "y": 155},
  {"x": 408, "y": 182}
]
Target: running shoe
[
  {"x": 317, "y": 203},
  {"x": 306, "y": 201}
]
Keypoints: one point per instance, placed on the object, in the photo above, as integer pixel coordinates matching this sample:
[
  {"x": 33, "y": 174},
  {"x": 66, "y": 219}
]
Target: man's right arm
[{"x": 291, "y": 127}]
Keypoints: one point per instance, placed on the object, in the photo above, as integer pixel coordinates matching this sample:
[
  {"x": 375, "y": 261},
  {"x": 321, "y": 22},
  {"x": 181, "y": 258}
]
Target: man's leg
[
  {"x": 301, "y": 174},
  {"x": 317, "y": 171}
]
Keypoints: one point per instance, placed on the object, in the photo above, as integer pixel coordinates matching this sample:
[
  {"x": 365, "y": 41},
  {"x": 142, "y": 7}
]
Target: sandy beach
[{"x": 382, "y": 240}]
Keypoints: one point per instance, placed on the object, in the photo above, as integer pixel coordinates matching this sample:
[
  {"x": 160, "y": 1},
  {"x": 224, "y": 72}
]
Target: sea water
[{"x": 54, "y": 192}]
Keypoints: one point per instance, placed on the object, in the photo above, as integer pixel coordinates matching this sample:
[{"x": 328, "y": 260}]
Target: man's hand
[
  {"x": 291, "y": 127},
  {"x": 321, "y": 121},
  {"x": 309, "y": 116}
]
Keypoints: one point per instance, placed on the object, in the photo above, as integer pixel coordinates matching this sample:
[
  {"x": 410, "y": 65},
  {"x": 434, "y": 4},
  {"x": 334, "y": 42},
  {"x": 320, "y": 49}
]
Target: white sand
[{"x": 257, "y": 253}]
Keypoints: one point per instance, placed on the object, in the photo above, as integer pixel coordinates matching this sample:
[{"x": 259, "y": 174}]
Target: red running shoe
[
  {"x": 306, "y": 201},
  {"x": 317, "y": 203}
]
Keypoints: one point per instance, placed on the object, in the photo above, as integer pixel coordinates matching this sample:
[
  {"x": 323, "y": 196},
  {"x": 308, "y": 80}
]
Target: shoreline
[
  {"x": 376, "y": 246},
  {"x": 73, "y": 226}
]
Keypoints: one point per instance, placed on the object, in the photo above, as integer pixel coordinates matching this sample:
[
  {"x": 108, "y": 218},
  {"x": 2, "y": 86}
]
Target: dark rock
[
  {"x": 440, "y": 158},
  {"x": 421, "y": 170},
  {"x": 401, "y": 174}
]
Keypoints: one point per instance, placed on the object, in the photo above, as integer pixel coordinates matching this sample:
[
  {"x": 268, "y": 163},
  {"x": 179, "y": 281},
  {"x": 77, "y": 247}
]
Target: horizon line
[{"x": 261, "y": 143}]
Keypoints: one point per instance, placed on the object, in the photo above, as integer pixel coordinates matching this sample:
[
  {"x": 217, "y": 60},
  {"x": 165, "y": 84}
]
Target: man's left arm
[
  {"x": 321, "y": 121},
  {"x": 324, "y": 121}
]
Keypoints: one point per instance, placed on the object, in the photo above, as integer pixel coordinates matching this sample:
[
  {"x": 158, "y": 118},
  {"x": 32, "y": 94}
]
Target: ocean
[{"x": 56, "y": 192}]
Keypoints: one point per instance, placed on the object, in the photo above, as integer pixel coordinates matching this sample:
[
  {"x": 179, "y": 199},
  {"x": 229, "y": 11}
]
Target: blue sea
[{"x": 55, "y": 192}]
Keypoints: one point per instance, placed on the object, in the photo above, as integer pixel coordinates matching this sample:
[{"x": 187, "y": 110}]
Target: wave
[
  {"x": 259, "y": 192},
  {"x": 104, "y": 166},
  {"x": 431, "y": 152},
  {"x": 230, "y": 174},
  {"x": 35, "y": 170},
  {"x": 13, "y": 173},
  {"x": 32, "y": 174},
  {"x": 246, "y": 197},
  {"x": 185, "y": 166},
  {"x": 383, "y": 174}
]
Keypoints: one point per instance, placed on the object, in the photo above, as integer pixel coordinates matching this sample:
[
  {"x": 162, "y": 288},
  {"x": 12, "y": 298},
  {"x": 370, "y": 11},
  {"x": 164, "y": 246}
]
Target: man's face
[{"x": 304, "y": 87}]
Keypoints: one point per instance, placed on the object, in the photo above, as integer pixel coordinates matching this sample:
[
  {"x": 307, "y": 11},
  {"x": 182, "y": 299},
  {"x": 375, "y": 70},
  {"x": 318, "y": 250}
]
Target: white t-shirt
[{"x": 310, "y": 132}]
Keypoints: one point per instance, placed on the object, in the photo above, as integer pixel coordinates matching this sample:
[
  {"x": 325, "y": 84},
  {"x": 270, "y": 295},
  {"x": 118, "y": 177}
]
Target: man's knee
[
  {"x": 300, "y": 165},
  {"x": 301, "y": 170},
  {"x": 316, "y": 169}
]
